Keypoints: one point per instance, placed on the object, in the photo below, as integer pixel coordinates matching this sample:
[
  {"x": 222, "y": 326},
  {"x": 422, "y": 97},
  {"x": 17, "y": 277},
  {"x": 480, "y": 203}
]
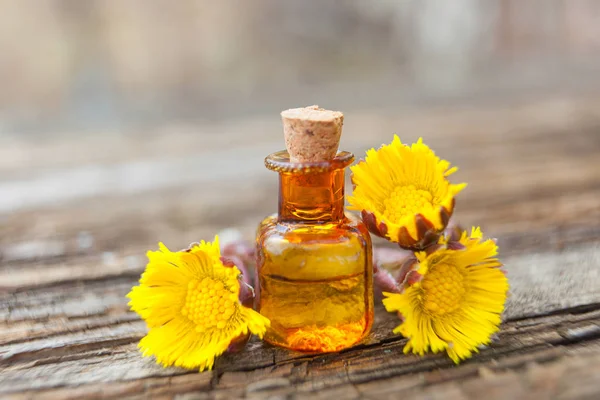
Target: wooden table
[{"x": 78, "y": 212}]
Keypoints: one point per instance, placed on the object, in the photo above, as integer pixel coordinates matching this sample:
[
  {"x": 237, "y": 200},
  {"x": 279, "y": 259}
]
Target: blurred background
[{"x": 123, "y": 123}]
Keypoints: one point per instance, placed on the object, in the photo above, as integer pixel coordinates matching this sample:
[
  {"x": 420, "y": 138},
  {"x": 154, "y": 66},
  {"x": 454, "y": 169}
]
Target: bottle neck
[{"x": 311, "y": 197}]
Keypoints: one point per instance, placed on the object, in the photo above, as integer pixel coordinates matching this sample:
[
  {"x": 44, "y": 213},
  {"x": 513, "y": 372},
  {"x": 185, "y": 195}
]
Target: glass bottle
[{"x": 314, "y": 261}]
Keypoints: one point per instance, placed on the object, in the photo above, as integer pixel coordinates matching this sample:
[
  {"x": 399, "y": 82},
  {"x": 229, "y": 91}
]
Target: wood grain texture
[{"x": 68, "y": 259}]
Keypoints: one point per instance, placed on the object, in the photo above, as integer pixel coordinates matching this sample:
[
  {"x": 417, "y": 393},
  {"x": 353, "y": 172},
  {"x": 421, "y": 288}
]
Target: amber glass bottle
[{"x": 314, "y": 261}]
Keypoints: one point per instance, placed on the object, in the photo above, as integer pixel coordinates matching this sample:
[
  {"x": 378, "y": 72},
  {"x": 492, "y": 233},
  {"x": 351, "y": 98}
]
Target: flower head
[
  {"x": 189, "y": 300},
  {"x": 403, "y": 193},
  {"x": 457, "y": 302}
]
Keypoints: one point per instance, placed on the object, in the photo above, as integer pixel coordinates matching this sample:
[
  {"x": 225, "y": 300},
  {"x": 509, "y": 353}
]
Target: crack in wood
[{"x": 57, "y": 352}]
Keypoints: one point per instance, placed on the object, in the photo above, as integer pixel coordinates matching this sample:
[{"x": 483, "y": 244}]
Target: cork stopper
[{"x": 312, "y": 134}]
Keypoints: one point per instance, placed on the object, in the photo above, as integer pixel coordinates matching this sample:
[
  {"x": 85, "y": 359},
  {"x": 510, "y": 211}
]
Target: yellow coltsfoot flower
[
  {"x": 403, "y": 193},
  {"x": 190, "y": 302},
  {"x": 456, "y": 303}
]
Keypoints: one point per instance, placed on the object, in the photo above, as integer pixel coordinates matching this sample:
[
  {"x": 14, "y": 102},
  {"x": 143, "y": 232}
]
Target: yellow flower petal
[
  {"x": 403, "y": 193},
  {"x": 210, "y": 248},
  {"x": 189, "y": 301},
  {"x": 457, "y": 305}
]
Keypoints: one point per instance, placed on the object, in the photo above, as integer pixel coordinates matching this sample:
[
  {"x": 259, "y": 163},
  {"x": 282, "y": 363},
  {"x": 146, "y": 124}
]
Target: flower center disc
[
  {"x": 405, "y": 200},
  {"x": 209, "y": 304},
  {"x": 443, "y": 289}
]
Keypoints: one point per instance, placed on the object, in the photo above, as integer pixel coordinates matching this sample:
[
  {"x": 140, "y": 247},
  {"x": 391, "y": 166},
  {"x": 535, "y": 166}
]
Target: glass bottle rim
[{"x": 280, "y": 162}]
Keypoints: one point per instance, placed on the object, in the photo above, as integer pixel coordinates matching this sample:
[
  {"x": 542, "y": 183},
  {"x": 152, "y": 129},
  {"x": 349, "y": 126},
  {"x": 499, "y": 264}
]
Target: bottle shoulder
[
  {"x": 313, "y": 251},
  {"x": 351, "y": 225}
]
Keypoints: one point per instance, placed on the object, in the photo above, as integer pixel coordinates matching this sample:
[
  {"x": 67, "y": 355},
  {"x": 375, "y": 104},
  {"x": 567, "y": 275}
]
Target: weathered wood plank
[
  {"x": 140, "y": 388},
  {"x": 66, "y": 332},
  {"x": 92, "y": 298},
  {"x": 353, "y": 370},
  {"x": 541, "y": 283},
  {"x": 73, "y": 356},
  {"x": 571, "y": 378}
]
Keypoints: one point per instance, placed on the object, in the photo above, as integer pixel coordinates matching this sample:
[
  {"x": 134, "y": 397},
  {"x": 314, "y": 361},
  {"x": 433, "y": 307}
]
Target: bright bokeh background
[
  {"x": 127, "y": 122},
  {"x": 68, "y": 64}
]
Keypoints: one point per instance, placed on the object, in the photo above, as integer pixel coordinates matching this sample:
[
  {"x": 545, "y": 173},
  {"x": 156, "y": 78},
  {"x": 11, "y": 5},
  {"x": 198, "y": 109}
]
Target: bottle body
[{"x": 314, "y": 270}]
